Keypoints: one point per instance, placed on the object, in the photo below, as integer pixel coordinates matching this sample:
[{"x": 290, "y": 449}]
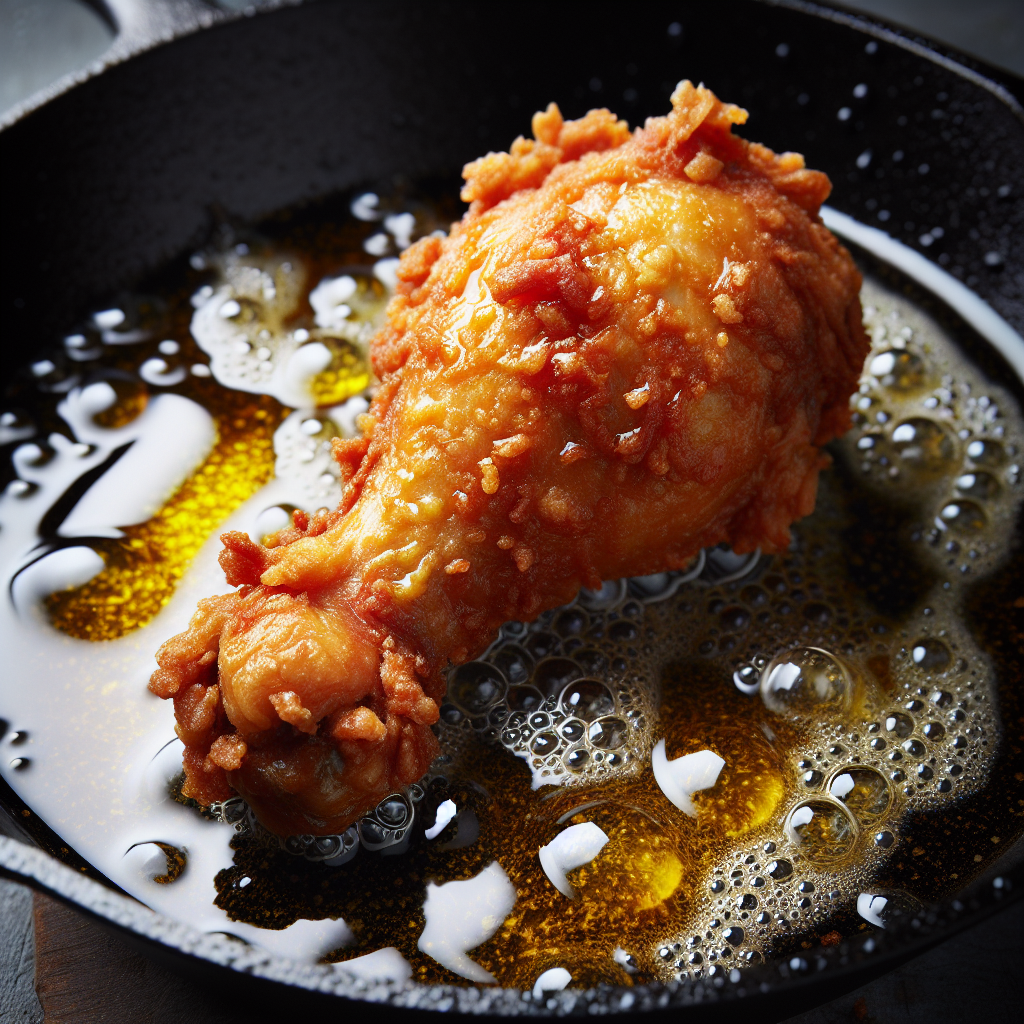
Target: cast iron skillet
[{"x": 117, "y": 175}]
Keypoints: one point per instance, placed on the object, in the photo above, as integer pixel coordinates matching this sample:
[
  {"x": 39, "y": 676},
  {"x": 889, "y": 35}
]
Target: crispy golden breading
[{"x": 631, "y": 347}]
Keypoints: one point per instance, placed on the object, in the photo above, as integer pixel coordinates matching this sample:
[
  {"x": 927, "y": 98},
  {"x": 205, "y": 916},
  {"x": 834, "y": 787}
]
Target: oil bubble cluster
[
  {"x": 925, "y": 423},
  {"x": 249, "y": 319},
  {"x": 388, "y": 827},
  {"x": 895, "y": 712},
  {"x": 573, "y": 694},
  {"x": 870, "y": 716}
]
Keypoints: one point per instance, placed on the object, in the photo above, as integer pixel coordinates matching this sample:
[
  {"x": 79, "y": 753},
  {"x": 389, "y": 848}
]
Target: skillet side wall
[{"x": 117, "y": 176}]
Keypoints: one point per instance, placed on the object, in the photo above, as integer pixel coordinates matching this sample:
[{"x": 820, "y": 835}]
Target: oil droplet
[
  {"x": 577, "y": 759},
  {"x": 901, "y": 371},
  {"x": 864, "y": 792},
  {"x": 542, "y": 644},
  {"x": 734, "y": 618},
  {"x": 393, "y": 811},
  {"x": 608, "y": 733},
  {"x": 824, "y": 831},
  {"x": 965, "y": 517},
  {"x": 475, "y": 686},
  {"x": 986, "y": 453},
  {"x": 573, "y": 730},
  {"x": 899, "y": 724},
  {"x": 978, "y": 485},
  {"x": 747, "y": 679},
  {"x": 554, "y": 674},
  {"x": 932, "y": 655},
  {"x": 545, "y": 743},
  {"x": 524, "y": 698},
  {"x": 514, "y": 663},
  {"x": 922, "y": 444},
  {"x": 915, "y": 748},
  {"x": 570, "y": 622},
  {"x": 805, "y": 681},
  {"x": 587, "y": 699}
]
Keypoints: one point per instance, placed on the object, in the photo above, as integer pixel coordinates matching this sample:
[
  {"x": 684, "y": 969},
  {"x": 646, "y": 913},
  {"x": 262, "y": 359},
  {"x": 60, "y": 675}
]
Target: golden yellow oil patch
[
  {"x": 132, "y": 398},
  {"x": 144, "y": 566},
  {"x": 639, "y": 867},
  {"x": 347, "y": 374},
  {"x": 753, "y": 781},
  {"x": 747, "y": 799}
]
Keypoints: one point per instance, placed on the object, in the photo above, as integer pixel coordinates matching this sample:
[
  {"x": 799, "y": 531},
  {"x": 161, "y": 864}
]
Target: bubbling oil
[
  {"x": 838, "y": 715},
  {"x": 838, "y": 683},
  {"x": 842, "y": 689}
]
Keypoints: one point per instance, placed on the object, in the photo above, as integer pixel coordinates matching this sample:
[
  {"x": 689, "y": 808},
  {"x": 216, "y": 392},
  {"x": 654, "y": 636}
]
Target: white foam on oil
[
  {"x": 445, "y": 813},
  {"x": 11, "y": 431},
  {"x": 304, "y": 456},
  {"x": 624, "y": 959},
  {"x": 156, "y": 372},
  {"x": 871, "y": 907},
  {"x": 302, "y": 451},
  {"x": 553, "y": 980},
  {"x": 88, "y": 704},
  {"x": 246, "y": 323},
  {"x": 116, "y": 728},
  {"x": 277, "y": 367},
  {"x": 386, "y": 271},
  {"x": 147, "y": 860},
  {"x": 329, "y": 300},
  {"x": 571, "y": 848},
  {"x": 462, "y": 915},
  {"x": 382, "y": 964},
  {"x": 166, "y": 442},
  {"x": 121, "y": 731},
  {"x": 683, "y": 776},
  {"x": 297, "y": 374},
  {"x": 270, "y": 521},
  {"x": 65, "y": 567},
  {"x": 365, "y": 206},
  {"x": 169, "y": 440}
]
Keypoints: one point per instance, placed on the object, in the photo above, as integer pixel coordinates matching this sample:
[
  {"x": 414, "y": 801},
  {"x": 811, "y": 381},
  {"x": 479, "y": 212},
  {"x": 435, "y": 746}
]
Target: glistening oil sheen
[{"x": 850, "y": 685}]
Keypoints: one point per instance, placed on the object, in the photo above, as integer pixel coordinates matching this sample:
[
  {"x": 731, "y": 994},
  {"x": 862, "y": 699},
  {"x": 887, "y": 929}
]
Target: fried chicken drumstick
[{"x": 631, "y": 347}]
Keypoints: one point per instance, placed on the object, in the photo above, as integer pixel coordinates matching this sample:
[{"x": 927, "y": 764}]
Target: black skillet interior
[{"x": 119, "y": 175}]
